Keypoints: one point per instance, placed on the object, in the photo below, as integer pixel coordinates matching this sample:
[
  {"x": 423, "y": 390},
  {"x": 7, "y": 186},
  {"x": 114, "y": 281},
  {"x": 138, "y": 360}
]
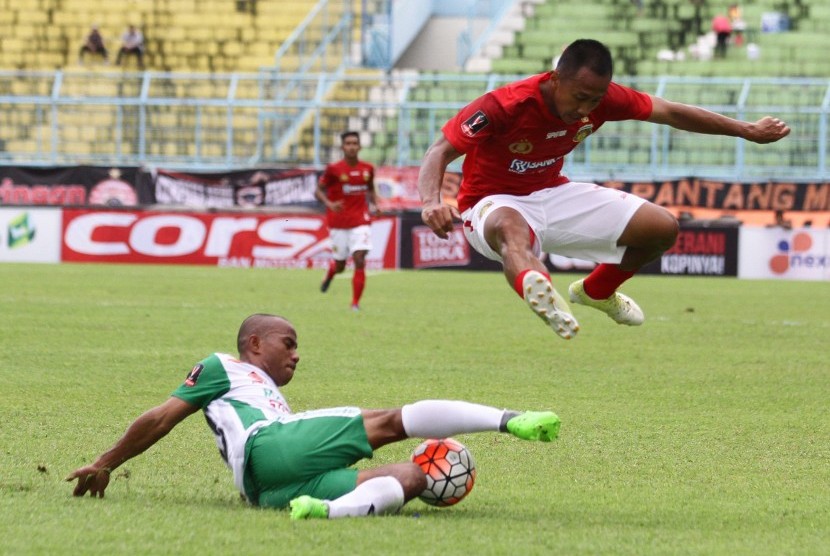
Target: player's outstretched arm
[
  {"x": 699, "y": 120},
  {"x": 145, "y": 431},
  {"x": 438, "y": 216}
]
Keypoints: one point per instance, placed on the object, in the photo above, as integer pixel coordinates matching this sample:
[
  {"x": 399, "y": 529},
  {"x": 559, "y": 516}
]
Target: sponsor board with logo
[
  {"x": 700, "y": 251},
  {"x": 694, "y": 192},
  {"x": 798, "y": 254},
  {"x": 421, "y": 248},
  {"x": 30, "y": 235},
  {"x": 70, "y": 186},
  {"x": 242, "y": 188},
  {"x": 231, "y": 239}
]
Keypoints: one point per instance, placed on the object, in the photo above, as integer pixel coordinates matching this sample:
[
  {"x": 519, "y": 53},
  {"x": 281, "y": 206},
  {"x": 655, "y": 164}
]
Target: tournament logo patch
[
  {"x": 193, "y": 375},
  {"x": 475, "y": 123},
  {"x": 583, "y": 132},
  {"x": 521, "y": 147}
]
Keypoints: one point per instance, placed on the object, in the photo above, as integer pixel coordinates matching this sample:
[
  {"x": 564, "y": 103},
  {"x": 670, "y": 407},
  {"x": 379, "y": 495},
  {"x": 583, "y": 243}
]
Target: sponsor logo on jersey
[
  {"x": 352, "y": 189},
  {"x": 583, "y": 131},
  {"x": 518, "y": 166},
  {"x": 193, "y": 375},
  {"x": 521, "y": 147},
  {"x": 555, "y": 134},
  {"x": 255, "y": 378},
  {"x": 344, "y": 177},
  {"x": 474, "y": 124}
]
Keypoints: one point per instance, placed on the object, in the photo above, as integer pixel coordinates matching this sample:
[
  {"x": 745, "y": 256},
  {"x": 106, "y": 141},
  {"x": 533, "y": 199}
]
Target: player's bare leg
[
  {"x": 507, "y": 233},
  {"x": 650, "y": 232}
]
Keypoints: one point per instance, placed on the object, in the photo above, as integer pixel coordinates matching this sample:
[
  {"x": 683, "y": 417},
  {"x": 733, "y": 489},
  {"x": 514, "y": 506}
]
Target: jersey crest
[
  {"x": 583, "y": 131},
  {"x": 521, "y": 147}
]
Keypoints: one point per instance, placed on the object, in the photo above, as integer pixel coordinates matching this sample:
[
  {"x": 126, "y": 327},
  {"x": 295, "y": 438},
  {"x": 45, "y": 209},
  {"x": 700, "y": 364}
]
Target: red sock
[
  {"x": 604, "y": 281},
  {"x": 517, "y": 283},
  {"x": 358, "y": 281},
  {"x": 332, "y": 271}
]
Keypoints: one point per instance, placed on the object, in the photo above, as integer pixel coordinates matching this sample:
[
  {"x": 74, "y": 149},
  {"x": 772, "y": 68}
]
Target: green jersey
[{"x": 237, "y": 399}]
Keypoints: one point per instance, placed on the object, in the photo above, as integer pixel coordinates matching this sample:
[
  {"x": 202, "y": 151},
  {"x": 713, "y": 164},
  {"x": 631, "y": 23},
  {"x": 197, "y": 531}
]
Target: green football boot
[
  {"x": 306, "y": 507},
  {"x": 535, "y": 425}
]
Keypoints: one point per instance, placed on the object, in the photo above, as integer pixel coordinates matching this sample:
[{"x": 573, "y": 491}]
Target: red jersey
[
  {"x": 348, "y": 184},
  {"x": 514, "y": 145}
]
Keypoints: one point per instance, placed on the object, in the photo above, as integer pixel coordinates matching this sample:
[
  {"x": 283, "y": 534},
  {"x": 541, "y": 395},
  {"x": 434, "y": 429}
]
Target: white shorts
[
  {"x": 579, "y": 220},
  {"x": 345, "y": 241}
]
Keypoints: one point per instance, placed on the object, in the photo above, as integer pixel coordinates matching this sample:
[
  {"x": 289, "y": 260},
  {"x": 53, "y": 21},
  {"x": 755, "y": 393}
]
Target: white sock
[
  {"x": 443, "y": 418},
  {"x": 378, "y": 496}
]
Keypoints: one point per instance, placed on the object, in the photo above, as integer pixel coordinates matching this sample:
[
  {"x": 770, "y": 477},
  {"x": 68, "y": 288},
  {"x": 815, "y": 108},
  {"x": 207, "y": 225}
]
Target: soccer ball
[{"x": 450, "y": 471}]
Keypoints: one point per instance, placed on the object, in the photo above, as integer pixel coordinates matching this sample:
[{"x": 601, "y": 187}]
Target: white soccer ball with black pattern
[{"x": 450, "y": 470}]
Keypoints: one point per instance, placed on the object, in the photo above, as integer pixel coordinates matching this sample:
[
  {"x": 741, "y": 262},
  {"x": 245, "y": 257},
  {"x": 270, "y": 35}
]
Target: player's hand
[
  {"x": 768, "y": 130},
  {"x": 91, "y": 479},
  {"x": 439, "y": 218},
  {"x": 335, "y": 206}
]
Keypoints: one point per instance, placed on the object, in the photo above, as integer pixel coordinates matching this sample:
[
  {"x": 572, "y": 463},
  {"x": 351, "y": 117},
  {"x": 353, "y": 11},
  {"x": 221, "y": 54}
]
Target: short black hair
[
  {"x": 258, "y": 324},
  {"x": 585, "y": 53},
  {"x": 349, "y": 134}
]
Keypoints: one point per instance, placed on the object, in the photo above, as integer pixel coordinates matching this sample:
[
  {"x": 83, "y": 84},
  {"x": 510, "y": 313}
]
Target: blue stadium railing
[{"x": 218, "y": 121}]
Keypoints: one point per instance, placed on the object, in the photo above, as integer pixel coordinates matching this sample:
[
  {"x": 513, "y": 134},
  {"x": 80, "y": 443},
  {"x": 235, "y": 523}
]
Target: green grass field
[{"x": 705, "y": 431}]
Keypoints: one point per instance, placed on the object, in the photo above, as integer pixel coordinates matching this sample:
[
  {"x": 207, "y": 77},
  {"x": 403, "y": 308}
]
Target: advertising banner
[
  {"x": 249, "y": 188},
  {"x": 397, "y": 188},
  {"x": 229, "y": 239},
  {"x": 421, "y": 248},
  {"x": 696, "y": 192},
  {"x": 700, "y": 251},
  {"x": 30, "y": 235},
  {"x": 71, "y": 186},
  {"x": 798, "y": 254}
]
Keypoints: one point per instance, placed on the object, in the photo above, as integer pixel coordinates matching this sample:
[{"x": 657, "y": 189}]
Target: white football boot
[
  {"x": 551, "y": 307},
  {"x": 621, "y": 308}
]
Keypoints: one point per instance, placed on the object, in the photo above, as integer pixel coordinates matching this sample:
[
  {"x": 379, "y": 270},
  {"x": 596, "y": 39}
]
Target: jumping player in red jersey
[
  {"x": 515, "y": 204},
  {"x": 347, "y": 189}
]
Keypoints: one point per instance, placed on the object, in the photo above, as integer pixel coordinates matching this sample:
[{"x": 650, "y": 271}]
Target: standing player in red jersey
[
  {"x": 515, "y": 204},
  {"x": 347, "y": 188}
]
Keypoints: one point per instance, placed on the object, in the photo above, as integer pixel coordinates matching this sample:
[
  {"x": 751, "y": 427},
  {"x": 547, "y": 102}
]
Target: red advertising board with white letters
[{"x": 222, "y": 239}]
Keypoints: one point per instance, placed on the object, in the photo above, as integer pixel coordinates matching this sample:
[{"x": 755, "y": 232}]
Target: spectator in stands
[
  {"x": 94, "y": 44},
  {"x": 515, "y": 204},
  {"x": 738, "y": 23},
  {"x": 723, "y": 29},
  {"x": 132, "y": 43}
]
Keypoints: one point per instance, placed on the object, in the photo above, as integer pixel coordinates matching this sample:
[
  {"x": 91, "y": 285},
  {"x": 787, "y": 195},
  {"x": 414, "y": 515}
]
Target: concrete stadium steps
[
  {"x": 635, "y": 37},
  {"x": 180, "y": 35}
]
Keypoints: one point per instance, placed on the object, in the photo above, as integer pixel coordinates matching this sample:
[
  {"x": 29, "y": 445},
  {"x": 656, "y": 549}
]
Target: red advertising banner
[
  {"x": 429, "y": 250},
  {"x": 230, "y": 239},
  {"x": 397, "y": 188}
]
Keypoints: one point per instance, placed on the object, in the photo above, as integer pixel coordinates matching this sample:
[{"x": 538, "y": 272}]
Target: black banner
[
  {"x": 700, "y": 251},
  {"x": 726, "y": 195},
  {"x": 245, "y": 188},
  {"x": 70, "y": 186}
]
